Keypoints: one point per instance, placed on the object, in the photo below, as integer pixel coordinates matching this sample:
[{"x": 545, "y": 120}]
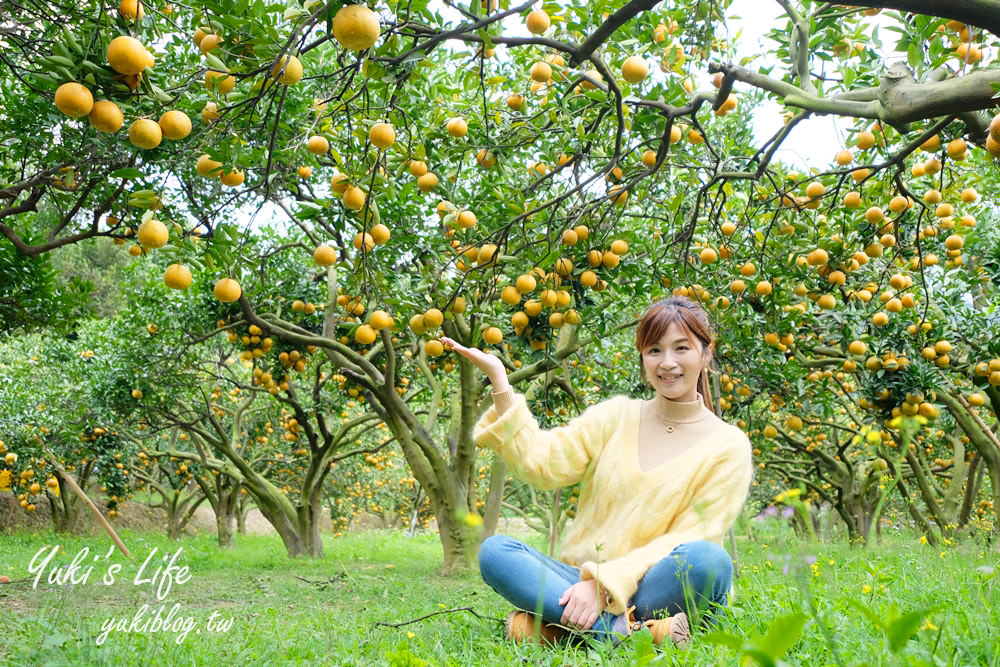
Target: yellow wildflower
[{"x": 787, "y": 495}]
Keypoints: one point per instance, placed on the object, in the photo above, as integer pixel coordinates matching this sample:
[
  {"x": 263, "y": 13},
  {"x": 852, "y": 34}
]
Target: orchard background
[{"x": 232, "y": 232}]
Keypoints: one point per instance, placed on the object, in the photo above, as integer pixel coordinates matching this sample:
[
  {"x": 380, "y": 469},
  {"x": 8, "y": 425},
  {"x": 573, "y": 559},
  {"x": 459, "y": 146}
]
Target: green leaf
[
  {"x": 159, "y": 94},
  {"x": 869, "y": 613},
  {"x": 644, "y": 651},
  {"x": 55, "y": 641},
  {"x": 404, "y": 657},
  {"x": 723, "y": 639},
  {"x": 215, "y": 63},
  {"x": 761, "y": 656},
  {"x": 782, "y": 634},
  {"x": 901, "y": 629},
  {"x": 126, "y": 172}
]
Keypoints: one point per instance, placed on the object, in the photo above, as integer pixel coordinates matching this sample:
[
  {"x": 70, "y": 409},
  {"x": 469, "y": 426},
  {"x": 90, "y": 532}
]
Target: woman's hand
[
  {"x": 584, "y": 604},
  {"x": 487, "y": 363}
]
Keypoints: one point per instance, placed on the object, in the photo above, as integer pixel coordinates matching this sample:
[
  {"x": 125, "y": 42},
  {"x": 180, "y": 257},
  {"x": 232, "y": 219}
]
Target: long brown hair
[{"x": 691, "y": 318}]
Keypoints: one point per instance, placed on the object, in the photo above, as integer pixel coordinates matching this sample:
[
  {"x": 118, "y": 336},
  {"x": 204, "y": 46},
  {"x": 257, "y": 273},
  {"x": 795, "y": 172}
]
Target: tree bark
[{"x": 494, "y": 499}]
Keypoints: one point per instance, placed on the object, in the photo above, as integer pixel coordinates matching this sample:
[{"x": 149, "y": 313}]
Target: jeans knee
[
  {"x": 711, "y": 566},
  {"x": 491, "y": 554}
]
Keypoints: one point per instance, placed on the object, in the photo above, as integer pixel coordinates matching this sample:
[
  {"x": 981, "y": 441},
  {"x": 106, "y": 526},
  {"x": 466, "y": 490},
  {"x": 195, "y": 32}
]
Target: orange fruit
[
  {"x": 427, "y": 182},
  {"x": 152, "y": 234},
  {"x": 175, "y": 124},
  {"x": 288, "y": 70},
  {"x": 318, "y": 145},
  {"x": 105, "y": 116},
  {"x": 510, "y": 295},
  {"x": 364, "y": 239},
  {"x": 817, "y": 257},
  {"x": 130, "y": 10},
  {"x": 486, "y": 159},
  {"x": 815, "y": 189},
  {"x": 874, "y": 214},
  {"x": 382, "y": 135},
  {"x": 208, "y": 167},
  {"x": 232, "y": 178},
  {"x": 418, "y": 168},
  {"x": 74, "y": 99},
  {"x": 356, "y": 27},
  {"x": 222, "y": 82},
  {"x": 379, "y": 319},
  {"x": 127, "y": 55},
  {"x": 365, "y": 334},
  {"x": 177, "y": 276},
  {"x": 209, "y": 42},
  {"x": 492, "y": 335},
  {"x": 457, "y": 127},
  {"x": 634, "y": 69},
  {"x": 354, "y": 198},
  {"x": 227, "y": 290},
  {"x": 324, "y": 255},
  {"x": 209, "y": 113},
  {"x": 540, "y": 72},
  {"x": 537, "y": 22},
  {"x": 380, "y": 233}
]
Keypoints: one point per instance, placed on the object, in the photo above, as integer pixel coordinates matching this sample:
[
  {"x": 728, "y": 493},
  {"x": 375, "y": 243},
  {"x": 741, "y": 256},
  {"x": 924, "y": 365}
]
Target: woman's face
[{"x": 674, "y": 363}]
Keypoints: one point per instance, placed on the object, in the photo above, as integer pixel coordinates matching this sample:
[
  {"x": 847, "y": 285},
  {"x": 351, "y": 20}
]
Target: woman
[{"x": 662, "y": 481}]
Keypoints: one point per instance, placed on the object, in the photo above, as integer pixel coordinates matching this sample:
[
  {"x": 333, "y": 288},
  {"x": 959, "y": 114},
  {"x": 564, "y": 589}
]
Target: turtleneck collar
[{"x": 677, "y": 412}]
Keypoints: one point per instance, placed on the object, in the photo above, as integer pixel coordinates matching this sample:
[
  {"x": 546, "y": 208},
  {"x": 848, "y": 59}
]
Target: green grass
[{"x": 383, "y": 577}]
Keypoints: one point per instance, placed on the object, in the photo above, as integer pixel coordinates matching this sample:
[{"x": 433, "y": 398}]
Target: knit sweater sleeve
[
  {"x": 714, "y": 506},
  {"x": 546, "y": 459}
]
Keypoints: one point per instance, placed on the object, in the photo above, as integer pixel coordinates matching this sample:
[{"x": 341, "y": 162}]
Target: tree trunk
[
  {"x": 494, "y": 499},
  {"x": 972, "y": 484},
  {"x": 66, "y": 509},
  {"x": 460, "y": 545},
  {"x": 290, "y": 537},
  {"x": 224, "y": 528},
  {"x": 242, "y": 508}
]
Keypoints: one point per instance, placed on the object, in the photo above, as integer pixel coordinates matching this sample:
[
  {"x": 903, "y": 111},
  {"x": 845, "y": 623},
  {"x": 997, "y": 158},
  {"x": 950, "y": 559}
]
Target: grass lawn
[{"x": 902, "y": 604}]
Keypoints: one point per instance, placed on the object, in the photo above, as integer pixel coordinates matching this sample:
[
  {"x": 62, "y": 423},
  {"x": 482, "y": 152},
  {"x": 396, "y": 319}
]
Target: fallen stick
[
  {"x": 90, "y": 503},
  {"x": 435, "y": 613}
]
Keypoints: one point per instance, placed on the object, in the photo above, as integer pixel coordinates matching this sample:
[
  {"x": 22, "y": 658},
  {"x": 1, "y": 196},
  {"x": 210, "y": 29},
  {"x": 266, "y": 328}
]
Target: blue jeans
[{"x": 695, "y": 573}]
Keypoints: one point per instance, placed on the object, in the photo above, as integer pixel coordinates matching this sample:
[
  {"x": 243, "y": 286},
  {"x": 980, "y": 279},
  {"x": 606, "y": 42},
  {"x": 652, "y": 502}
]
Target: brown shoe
[
  {"x": 675, "y": 627},
  {"x": 521, "y": 627}
]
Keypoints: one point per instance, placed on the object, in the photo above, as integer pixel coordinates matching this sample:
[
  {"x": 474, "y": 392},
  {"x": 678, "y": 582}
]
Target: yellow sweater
[{"x": 627, "y": 519}]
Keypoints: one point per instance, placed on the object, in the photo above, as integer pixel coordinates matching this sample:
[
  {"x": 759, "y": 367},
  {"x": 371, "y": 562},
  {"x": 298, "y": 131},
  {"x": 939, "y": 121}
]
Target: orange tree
[
  {"x": 170, "y": 480},
  {"x": 57, "y": 421},
  {"x": 869, "y": 303},
  {"x": 557, "y": 150}
]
